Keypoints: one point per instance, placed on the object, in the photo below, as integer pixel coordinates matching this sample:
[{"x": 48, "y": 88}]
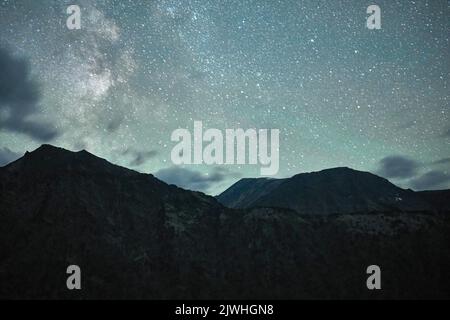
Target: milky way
[{"x": 341, "y": 94}]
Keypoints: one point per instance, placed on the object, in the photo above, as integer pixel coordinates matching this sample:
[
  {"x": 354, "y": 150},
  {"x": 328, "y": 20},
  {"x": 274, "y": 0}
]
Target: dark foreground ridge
[
  {"x": 134, "y": 236},
  {"x": 332, "y": 191}
]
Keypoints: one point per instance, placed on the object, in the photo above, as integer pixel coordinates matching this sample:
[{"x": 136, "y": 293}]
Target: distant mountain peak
[
  {"x": 56, "y": 160},
  {"x": 49, "y": 147},
  {"x": 335, "y": 170},
  {"x": 329, "y": 191},
  {"x": 51, "y": 151}
]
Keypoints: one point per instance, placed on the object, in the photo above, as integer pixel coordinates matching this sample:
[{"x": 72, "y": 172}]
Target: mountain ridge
[
  {"x": 135, "y": 237},
  {"x": 328, "y": 191}
]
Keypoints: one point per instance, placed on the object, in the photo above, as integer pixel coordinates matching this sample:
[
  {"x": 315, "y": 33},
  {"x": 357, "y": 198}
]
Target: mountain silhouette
[
  {"x": 134, "y": 236},
  {"x": 330, "y": 191},
  {"x": 60, "y": 208}
]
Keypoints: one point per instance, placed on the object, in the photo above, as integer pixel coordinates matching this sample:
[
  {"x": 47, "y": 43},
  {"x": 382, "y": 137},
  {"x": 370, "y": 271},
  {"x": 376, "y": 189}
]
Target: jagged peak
[
  {"x": 50, "y": 157},
  {"x": 46, "y": 148}
]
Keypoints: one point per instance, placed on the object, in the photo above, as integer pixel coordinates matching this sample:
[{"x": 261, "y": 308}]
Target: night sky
[{"x": 341, "y": 94}]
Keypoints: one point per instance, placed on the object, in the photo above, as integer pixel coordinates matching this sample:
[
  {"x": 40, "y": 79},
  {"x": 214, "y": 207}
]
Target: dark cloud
[
  {"x": 36, "y": 130},
  {"x": 139, "y": 157},
  {"x": 19, "y": 98},
  {"x": 7, "y": 156},
  {"x": 194, "y": 180},
  {"x": 431, "y": 180},
  {"x": 399, "y": 167}
]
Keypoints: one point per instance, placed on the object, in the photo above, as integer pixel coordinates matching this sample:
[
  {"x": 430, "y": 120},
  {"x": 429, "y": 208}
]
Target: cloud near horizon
[
  {"x": 434, "y": 179},
  {"x": 139, "y": 157},
  {"x": 416, "y": 175},
  {"x": 398, "y": 167},
  {"x": 194, "y": 180},
  {"x": 7, "y": 156}
]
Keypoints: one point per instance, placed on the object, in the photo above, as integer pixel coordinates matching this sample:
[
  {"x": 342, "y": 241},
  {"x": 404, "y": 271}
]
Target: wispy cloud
[
  {"x": 417, "y": 175},
  {"x": 194, "y": 180},
  {"x": 7, "y": 156},
  {"x": 139, "y": 157},
  {"x": 431, "y": 180}
]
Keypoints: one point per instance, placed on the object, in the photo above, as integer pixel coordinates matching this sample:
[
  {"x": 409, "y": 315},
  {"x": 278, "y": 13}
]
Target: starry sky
[{"x": 341, "y": 94}]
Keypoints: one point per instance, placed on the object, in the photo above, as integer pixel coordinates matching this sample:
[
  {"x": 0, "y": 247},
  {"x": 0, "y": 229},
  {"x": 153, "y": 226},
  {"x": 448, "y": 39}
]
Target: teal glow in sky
[{"x": 341, "y": 94}]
